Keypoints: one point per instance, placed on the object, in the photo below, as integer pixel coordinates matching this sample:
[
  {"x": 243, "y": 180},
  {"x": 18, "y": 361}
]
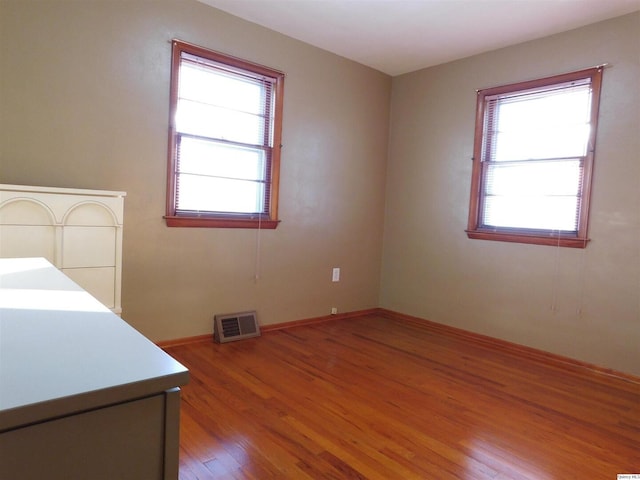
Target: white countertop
[{"x": 63, "y": 352}]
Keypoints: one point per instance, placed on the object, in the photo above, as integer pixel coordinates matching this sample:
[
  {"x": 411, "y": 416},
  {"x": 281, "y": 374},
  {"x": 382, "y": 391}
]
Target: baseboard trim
[
  {"x": 548, "y": 358},
  {"x": 272, "y": 328},
  {"x": 185, "y": 340},
  {"x": 315, "y": 320},
  {"x": 552, "y": 359}
]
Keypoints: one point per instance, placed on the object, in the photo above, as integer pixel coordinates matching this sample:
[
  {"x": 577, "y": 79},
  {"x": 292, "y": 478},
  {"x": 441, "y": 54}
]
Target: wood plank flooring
[{"x": 374, "y": 398}]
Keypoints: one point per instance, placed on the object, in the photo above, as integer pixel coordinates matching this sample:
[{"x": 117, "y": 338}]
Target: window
[
  {"x": 224, "y": 141},
  {"x": 533, "y": 160}
]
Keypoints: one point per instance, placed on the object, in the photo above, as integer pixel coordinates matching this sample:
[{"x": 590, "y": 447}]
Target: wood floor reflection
[{"x": 374, "y": 398}]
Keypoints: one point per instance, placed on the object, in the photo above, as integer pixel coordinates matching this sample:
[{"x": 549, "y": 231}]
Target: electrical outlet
[
  {"x": 334, "y": 310},
  {"x": 335, "y": 276}
]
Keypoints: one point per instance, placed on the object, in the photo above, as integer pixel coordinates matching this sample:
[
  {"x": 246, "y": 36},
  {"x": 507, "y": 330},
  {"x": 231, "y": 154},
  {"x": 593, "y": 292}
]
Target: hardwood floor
[{"x": 373, "y": 398}]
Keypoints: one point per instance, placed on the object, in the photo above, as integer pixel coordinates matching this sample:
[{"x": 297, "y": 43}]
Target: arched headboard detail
[
  {"x": 79, "y": 231},
  {"x": 89, "y": 213},
  {"x": 25, "y": 211},
  {"x": 28, "y": 229}
]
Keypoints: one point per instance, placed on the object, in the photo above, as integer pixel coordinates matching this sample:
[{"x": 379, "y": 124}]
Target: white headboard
[{"x": 79, "y": 231}]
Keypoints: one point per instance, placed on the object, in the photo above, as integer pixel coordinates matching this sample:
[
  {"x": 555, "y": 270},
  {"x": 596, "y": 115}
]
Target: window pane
[
  {"x": 535, "y": 195},
  {"x": 221, "y": 160},
  {"x": 216, "y": 122},
  {"x": 560, "y": 177},
  {"x": 213, "y": 194},
  {"x": 218, "y": 104},
  {"x": 208, "y": 85},
  {"x": 548, "y": 125},
  {"x": 559, "y": 142},
  {"x": 541, "y": 213}
]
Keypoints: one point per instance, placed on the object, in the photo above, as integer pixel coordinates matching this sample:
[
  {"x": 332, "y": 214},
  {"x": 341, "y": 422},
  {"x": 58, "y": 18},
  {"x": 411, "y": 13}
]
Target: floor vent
[{"x": 235, "y": 326}]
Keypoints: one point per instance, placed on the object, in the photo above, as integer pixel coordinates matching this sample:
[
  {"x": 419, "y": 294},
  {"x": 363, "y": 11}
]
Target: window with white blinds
[
  {"x": 533, "y": 159},
  {"x": 224, "y": 141}
]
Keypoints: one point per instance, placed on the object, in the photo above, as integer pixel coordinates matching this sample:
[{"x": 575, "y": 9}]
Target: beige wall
[
  {"x": 84, "y": 103},
  {"x": 583, "y": 304}
]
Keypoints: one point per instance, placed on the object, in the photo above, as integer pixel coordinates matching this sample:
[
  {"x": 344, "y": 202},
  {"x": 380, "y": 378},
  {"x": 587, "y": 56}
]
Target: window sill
[
  {"x": 551, "y": 240},
  {"x": 220, "y": 222}
]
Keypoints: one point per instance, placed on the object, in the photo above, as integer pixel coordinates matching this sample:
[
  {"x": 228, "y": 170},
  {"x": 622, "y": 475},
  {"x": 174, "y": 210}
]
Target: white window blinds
[
  {"x": 533, "y": 153},
  {"x": 224, "y": 126}
]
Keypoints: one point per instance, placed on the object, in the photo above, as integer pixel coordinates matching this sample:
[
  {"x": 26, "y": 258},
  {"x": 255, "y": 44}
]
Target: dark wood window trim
[
  {"x": 202, "y": 219},
  {"x": 578, "y": 239}
]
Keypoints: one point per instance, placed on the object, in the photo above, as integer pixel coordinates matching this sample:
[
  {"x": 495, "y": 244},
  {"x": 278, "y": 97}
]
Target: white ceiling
[{"x": 400, "y": 36}]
